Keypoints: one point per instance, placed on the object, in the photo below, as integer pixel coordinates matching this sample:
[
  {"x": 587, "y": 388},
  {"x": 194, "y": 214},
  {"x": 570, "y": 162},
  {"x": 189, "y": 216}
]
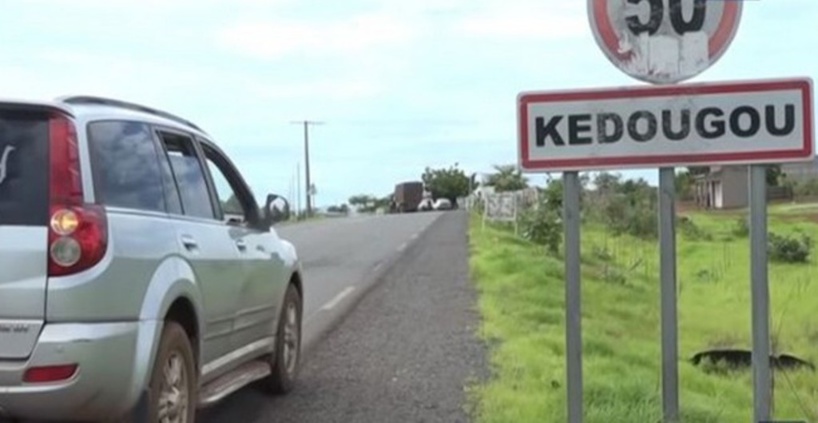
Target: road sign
[
  {"x": 703, "y": 124},
  {"x": 501, "y": 207},
  {"x": 664, "y": 41}
]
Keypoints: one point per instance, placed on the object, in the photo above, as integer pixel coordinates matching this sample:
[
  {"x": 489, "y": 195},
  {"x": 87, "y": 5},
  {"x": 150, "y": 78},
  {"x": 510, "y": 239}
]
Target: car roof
[{"x": 89, "y": 108}]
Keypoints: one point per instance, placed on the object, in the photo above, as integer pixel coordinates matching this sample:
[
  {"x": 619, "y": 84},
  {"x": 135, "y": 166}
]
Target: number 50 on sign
[{"x": 664, "y": 41}]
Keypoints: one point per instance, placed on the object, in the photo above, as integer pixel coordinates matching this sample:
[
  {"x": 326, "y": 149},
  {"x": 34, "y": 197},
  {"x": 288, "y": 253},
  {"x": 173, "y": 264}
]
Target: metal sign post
[
  {"x": 727, "y": 123},
  {"x": 573, "y": 294},
  {"x": 760, "y": 308},
  {"x": 670, "y": 323},
  {"x": 665, "y": 42},
  {"x": 688, "y": 45}
]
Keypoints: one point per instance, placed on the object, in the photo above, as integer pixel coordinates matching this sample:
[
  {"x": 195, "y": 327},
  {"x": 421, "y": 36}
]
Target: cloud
[
  {"x": 526, "y": 20},
  {"x": 335, "y": 89},
  {"x": 233, "y": 106},
  {"x": 114, "y": 74},
  {"x": 271, "y": 39},
  {"x": 153, "y": 5},
  {"x": 400, "y": 84}
]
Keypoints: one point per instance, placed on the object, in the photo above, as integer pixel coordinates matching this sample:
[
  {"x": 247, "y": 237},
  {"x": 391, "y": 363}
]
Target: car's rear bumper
[{"x": 114, "y": 361}]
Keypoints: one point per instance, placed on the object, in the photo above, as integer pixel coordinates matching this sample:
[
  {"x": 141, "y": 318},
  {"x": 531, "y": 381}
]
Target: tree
[
  {"x": 606, "y": 182},
  {"x": 507, "y": 178},
  {"x": 446, "y": 183},
  {"x": 383, "y": 202},
  {"x": 698, "y": 170},
  {"x": 473, "y": 182},
  {"x": 232, "y": 205},
  {"x": 363, "y": 202},
  {"x": 774, "y": 175},
  {"x": 342, "y": 209},
  {"x": 684, "y": 184},
  {"x": 366, "y": 203}
]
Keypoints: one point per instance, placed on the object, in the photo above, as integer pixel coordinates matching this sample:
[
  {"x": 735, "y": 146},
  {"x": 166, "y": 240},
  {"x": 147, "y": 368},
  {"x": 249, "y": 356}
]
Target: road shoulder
[{"x": 406, "y": 353}]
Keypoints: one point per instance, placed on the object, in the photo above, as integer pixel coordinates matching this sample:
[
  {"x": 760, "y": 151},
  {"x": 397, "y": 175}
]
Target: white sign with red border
[
  {"x": 742, "y": 122},
  {"x": 664, "y": 41}
]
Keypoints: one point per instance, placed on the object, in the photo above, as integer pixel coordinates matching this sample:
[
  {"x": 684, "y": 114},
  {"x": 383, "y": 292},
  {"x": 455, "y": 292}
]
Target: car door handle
[
  {"x": 189, "y": 243},
  {"x": 241, "y": 245}
]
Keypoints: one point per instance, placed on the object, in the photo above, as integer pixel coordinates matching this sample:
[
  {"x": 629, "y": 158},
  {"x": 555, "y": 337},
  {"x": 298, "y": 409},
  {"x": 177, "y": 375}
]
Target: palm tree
[{"x": 507, "y": 178}]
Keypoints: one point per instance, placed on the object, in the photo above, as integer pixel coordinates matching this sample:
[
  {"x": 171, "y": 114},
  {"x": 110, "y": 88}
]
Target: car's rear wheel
[
  {"x": 285, "y": 362},
  {"x": 173, "y": 384}
]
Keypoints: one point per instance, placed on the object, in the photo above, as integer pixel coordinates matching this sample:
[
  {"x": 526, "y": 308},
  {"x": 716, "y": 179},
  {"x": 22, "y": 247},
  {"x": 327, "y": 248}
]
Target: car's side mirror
[{"x": 276, "y": 209}]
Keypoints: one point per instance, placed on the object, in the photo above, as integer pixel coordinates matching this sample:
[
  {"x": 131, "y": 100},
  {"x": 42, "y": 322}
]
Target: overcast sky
[{"x": 400, "y": 84}]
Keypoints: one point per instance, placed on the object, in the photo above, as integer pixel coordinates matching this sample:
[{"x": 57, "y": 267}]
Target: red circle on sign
[{"x": 717, "y": 43}]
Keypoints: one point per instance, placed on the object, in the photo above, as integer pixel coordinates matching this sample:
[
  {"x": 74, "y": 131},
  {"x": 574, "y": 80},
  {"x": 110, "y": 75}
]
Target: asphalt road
[
  {"x": 342, "y": 257},
  {"x": 390, "y": 325},
  {"x": 405, "y": 350}
]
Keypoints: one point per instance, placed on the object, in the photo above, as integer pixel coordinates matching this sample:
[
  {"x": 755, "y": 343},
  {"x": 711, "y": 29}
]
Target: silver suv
[{"x": 139, "y": 278}]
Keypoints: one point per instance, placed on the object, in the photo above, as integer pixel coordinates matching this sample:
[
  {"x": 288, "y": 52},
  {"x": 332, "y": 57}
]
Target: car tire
[
  {"x": 174, "y": 360},
  {"x": 284, "y": 363}
]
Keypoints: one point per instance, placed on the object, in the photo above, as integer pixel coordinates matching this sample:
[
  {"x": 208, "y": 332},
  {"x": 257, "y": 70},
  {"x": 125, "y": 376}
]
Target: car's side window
[
  {"x": 189, "y": 175},
  {"x": 172, "y": 196},
  {"x": 231, "y": 196},
  {"x": 125, "y": 165},
  {"x": 231, "y": 207}
]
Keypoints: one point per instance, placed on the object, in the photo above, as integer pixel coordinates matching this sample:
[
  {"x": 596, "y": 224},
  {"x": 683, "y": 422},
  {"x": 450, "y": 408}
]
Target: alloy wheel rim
[
  {"x": 173, "y": 396},
  {"x": 291, "y": 338}
]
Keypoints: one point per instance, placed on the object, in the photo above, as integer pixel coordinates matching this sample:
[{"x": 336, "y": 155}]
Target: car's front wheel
[{"x": 286, "y": 360}]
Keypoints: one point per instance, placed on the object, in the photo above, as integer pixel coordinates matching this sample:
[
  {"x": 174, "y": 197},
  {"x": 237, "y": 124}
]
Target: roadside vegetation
[
  {"x": 447, "y": 182},
  {"x": 521, "y": 284}
]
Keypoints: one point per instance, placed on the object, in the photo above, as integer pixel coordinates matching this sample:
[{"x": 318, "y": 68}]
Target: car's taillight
[
  {"x": 77, "y": 232},
  {"x": 50, "y": 374}
]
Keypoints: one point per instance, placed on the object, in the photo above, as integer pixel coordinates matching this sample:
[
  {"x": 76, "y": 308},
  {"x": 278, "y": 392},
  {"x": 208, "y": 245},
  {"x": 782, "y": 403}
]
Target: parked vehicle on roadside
[
  {"x": 141, "y": 280},
  {"x": 426, "y": 205},
  {"x": 442, "y": 204},
  {"x": 407, "y": 196}
]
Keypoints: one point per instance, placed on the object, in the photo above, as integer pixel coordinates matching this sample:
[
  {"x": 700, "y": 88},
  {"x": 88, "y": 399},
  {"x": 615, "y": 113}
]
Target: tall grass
[{"x": 522, "y": 305}]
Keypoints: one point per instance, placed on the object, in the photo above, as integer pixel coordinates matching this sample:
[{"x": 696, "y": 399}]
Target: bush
[
  {"x": 788, "y": 249},
  {"x": 602, "y": 254},
  {"x": 614, "y": 276},
  {"x": 808, "y": 188},
  {"x": 640, "y": 223},
  {"x": 692, "y": 231},
  {"x": 622, "y": 216},
  {"x": 742, "y": 227},
  {"x": 542, "y": 224},
  {"x": 628, "y": 207}
]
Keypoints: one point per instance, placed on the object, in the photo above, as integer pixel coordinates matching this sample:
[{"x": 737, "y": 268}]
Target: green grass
[{"x": 522, "y": 306}]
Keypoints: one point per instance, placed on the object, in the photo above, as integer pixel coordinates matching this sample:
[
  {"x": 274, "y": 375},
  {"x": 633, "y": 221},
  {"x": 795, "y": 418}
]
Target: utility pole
[
  {"x": 308, "y": 185},
  {"x": 291, "y": 193},
  {"x": 298, "y": 191}
]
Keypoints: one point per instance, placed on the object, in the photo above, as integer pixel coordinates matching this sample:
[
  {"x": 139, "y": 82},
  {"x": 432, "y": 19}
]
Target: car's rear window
[
  {"x": 23, "y": 168},
  {"x": 126, "y": 165}
]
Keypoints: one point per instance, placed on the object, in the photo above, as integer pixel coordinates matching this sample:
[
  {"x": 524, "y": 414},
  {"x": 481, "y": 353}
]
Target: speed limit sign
[{"x": 664, "y": 41}]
